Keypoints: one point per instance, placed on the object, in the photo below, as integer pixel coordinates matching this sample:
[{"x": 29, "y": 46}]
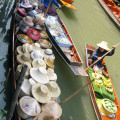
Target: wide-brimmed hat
[
  {"x": 51, "y": 74},
  {"x": 24, "y": 48},
  {"x": 38, "y": 21},
  {"x": 49, "y": 62},
  {"x": 45, "y": 43},
  {"x": 104, "y": 45},
  {"x": 44, "y": 116},
  {"x": 37, "y": 54},
  {"x": 21, "y": 10},
  {"x": 28, "y": 21},
  {"x": 36, "y": 46},
  {"x": 53, "y": 108},
  {"x": 43, "y": 34},
  {"x": 33, "y": 34},
  {"x": 32, "y": 81},
  {"x": 48, "y": 53},
  {"x": 41, "y": 93},
  {"x": 54, "y": 89},
  {"x": 24, "y": 38},
  {"x": 28, "y": 107},
  {"x": 40, "y": 16},
  {"x": 36, "y": 63},
  {"x": 39, "y": 75}
]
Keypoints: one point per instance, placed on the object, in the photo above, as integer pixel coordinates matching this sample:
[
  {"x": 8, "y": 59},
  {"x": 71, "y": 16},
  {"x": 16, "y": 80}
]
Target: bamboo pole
[
  {"x": 16, "y": 94},
  {"x": 102, "y": 57}
]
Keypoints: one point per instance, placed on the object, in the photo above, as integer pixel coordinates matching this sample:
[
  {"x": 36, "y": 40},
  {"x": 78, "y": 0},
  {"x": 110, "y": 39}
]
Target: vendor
[
  {"x": 98, "y": 53},
  {"x": 51, "y": 10}
]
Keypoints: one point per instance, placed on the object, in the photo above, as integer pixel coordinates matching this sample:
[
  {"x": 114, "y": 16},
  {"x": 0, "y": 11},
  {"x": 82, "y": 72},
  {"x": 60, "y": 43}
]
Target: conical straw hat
[
  {"x": 38, "y": 63},
  {"x": 44, "y": 116},
  {"x": 24, "y": 58},
  {"x": 51, "y": 74},
  {"x": 36, "y": 54},
  {"x": 29, "y": 106},
  {"x": 53, "y": 108},
  {"x": 54, "y": 89},
  {"x": 39, "y": 75},
  {"x": 49, "y": 62},
  {"x": 104, "y": 45},
  {"x": 41, "y": 93}
]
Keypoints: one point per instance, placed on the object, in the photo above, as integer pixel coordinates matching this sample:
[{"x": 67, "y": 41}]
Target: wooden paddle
[{"x": 102, "y": 57}]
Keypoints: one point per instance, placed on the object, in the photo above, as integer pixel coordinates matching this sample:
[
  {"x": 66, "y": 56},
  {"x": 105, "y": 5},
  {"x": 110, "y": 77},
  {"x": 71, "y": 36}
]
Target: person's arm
[
  {"x": 94, "y": 55},
  {"x": 57, "y": 4},
  {"x": 112, "y": 52}
]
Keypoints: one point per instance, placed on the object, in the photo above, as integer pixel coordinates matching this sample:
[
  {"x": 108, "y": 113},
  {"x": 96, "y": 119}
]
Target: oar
[{"x": 102, "y": 57}]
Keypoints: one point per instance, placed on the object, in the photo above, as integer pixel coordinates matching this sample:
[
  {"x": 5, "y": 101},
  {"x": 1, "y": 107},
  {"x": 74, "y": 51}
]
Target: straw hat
[
  {"x": 32, "y": 81},
  {"x": 104, "y": 45},
  {"x": 40, "y": 16},
  {"x": 24, "y": 38},
  {"x": 37, "y": 54},
  {"x": 49, "y": 62},
  {"x": 53, "y": 108},
  {"x": 43, "y": 34},
  {"x": 54, "y": 89},
  {"x": 21, "y": 10},
  {"x": 51, "y": 74},
  {"x": 25, "y": 88},
  {"x": 38, "y": 63},
  {"x": 33, "y": 34},
  {"x": 29, "y": 107},
  {"x": 28, "y": 21},
  {"x": 38, "y": 20},
  {"x": 41, "y": 93},
  {"x": 48, "y": 53},
  {"x": 44, "y": 116},
  {"x": 24, "y": 58},
  {"x": 39, "y": 75},
  {"x": 25, "y": 48},
  {"x": 36, "y": 46}
]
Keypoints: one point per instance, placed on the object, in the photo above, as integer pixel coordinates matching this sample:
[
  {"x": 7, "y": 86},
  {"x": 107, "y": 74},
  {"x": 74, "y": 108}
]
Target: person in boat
[
  {"x": 98, "y": 53},
  {"x": 51, "y": 10}
]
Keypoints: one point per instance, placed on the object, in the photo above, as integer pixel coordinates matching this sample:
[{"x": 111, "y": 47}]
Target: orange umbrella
[{"x": 68, "y": 3}]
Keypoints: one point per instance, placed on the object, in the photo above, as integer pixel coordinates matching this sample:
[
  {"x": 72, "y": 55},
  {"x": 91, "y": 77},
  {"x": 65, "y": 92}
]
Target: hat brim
[
  {"x": 49, "y": 64},
  {"x": 52, "y": 77},
  {"x": 104, "y": 47},
  {"x": 31, "y": 24},
  {"x": 32, "y": 56},
  {"x": 68, "y": 5},
  {"x": 19, "y": 50},
  {"x": 38, "y": 96},
  {"x": 38, "y": 77}
]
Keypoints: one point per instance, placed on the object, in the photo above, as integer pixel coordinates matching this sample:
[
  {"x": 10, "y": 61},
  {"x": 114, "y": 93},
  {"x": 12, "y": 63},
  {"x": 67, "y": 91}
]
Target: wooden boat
[
  {"x": 89, "y": 50},
  {"x": 112, "y": 9},
  {"x": 76, "y": 63}
]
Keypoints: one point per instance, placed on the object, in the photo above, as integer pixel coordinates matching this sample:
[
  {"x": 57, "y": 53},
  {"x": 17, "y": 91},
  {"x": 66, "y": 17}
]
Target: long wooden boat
[
  {"x": 112, "y": 9},
  {"x": 100, "y": 116},
  {"x": 76, "y": 63}
]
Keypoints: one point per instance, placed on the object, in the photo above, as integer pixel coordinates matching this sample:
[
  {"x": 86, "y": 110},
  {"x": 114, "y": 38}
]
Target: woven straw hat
[
  {"x": 24, "y": 48},
  {"x": 32, "y": 81},
  {"x": 48, "y": 53},
  {"x": 104, "y": 45},
  {"x": 25, "y": 88},
  {"x": 24, "y": 58},
  {"x": 36, "y": 46},
  {"x": 28, "y": 107},
  {"x": 49, "y": 62},
  {"x": 37, "y": 54},
  {"x": 54, "y": 89},
  {"x": 51, "y": 74},
  {"x": 41, "y": 93},
  {"x": 40, "y": 16},
  {"x": 38, "y": 63},
  {"x": 53, "y": 108},
  {"x": 28, "y": 21},
  {"x": 39, "y": 75},
  {"x": 44, "y": 116}
]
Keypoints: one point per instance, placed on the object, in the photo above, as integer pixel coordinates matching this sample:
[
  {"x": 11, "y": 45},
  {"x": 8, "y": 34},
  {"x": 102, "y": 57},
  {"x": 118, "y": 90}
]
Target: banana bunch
[
  {"x": 99, "y": 83},
  {"x": 96, "y": 75}
]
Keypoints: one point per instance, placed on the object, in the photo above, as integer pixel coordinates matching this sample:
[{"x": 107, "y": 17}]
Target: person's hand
[
  {"x": 89, "y": 61},
  {"x": 113, "y": 47},
  {"x": 99, "y": 58},
  {"x": 59, "y": 6}
]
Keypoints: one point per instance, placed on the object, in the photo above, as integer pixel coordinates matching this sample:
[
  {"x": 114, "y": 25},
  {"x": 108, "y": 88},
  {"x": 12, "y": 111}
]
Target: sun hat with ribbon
[
  {"x": 28, "y": 21},
  {"x": 54, "y": 89},
  {"x": 104, "y": 45},
  {"x": 28, "y": 107},
  {"x": 41, "y": 93},
  {"x": 39, "y": 75},
  {"x": 49, "y": 61},
  {"x": 37, "y": 54},
  {"x": 48, "y": 53},
  {"x": 36, "y": 63},
  {"x": 24, "y": 58},
  {"x": 33, "y": 34},
  {"x": 24, "y": 48},
  {"x": 53, "y": 108},
  {"x": 51, "y": 74},
  {"x": 21, "y": 10},
  {"x": 44, "y": 116}
]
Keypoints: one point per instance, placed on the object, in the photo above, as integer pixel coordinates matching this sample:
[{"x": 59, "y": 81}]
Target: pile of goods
[{"x": 39, "y": 91}]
